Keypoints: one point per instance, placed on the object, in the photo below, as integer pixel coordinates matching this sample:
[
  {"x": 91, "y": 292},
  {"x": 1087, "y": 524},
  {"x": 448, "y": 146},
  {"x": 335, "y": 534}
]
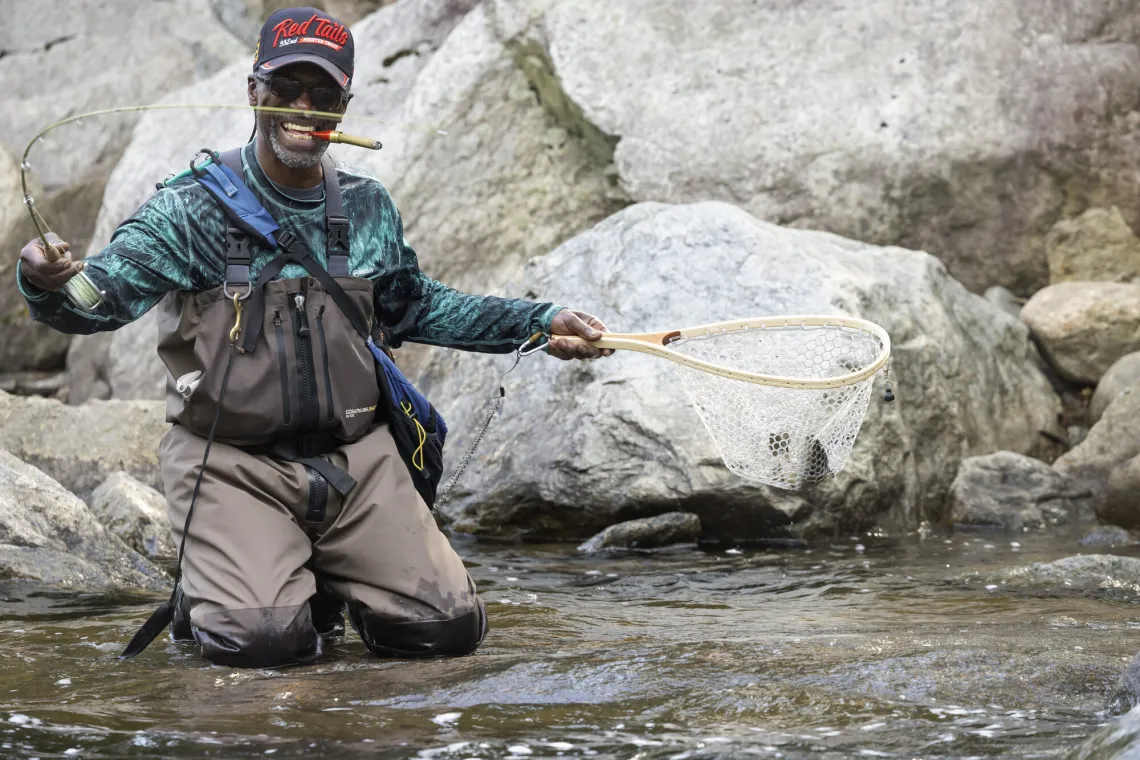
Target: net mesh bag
[{"x": 785, "y": 437}]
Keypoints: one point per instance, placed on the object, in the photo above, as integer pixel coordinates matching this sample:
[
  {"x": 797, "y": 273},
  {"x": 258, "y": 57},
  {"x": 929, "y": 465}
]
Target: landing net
[{"x": 787, "y": 430}]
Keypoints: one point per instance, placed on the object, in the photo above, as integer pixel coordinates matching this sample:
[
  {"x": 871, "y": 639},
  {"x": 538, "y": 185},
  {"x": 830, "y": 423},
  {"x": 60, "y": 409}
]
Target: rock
[
  {"x": 1112, "y": 441},
  {"x": 1124, "y": 373},
  {"x": 135, "y": 513},
  {"x": 135, "y": 371},
  {"x": 578, "y": 444},
  {"x": 1084, "y": 327},
  {"x": 245, "y": 17},
  {"x": 1121, "y": 505},
  {"x": 1107, "y": 535},
  {"x": 1004, "y": 300},
  {"x": 88, "y": 366},
  {"x": 1126, "y": 693},
  {"x": 49, "y": 535},
  {"x": 81, "y": 446},
  {"x": 32, "y": 383},
  {"x": 1014, "y": 492},
  {"x": 646, "y": 533},
  {"x": 1097, "y": 245},
  {"x": 1084, "y": 572},
  {"x": 60, "y": 58},
  {"x": 1119, "y": 740},
  {"x": 821, "y": 117}
]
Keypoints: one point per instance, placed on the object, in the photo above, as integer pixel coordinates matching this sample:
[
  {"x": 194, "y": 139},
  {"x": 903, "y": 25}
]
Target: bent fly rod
[{"x": 80, "y": 289}]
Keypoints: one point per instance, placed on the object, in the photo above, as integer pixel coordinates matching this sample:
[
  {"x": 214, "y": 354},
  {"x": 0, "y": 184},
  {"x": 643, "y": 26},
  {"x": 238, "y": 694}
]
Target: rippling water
[{"x": 866, "y": 647}]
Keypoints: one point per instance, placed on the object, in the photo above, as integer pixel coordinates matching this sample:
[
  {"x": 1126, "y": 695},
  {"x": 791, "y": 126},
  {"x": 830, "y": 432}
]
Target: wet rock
[
  {"x": 1124, "y": 373},
  {"x": 1004, "y": 300},
  {"x": 1119, "y": 740},
  {"x": 1112, "y": 441},
  {"x": 1084, "y": 327},
  {"x": 1097, "y": 245},
  {"x": 81, "y": 446},
  {"x": 49, "y": 535},
  {"x": 1011, "y": 491},
  {"x": 580, "y": 443},
  {"x": 62, "y": 58},
  {"x": 647, "y": 533},
  {"x": 1086, "y": 572},
  {"x": 1121, "y": 504},
  {"x": 136, "y": 513},
  {"x": 1126, "y": 694},
  {"x": 1107, "y": 535}
]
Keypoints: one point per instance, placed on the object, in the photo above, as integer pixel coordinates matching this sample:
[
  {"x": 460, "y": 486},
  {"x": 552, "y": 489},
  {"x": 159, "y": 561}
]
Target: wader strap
[
  {"x": 237, "y": 241},
  {"x": 307, "y": 449},
  {"x": 336, "y": 249}
]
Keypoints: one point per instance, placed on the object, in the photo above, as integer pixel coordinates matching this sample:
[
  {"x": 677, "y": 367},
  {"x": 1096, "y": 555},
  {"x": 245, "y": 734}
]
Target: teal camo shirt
[{"x": 176, "y": 242}]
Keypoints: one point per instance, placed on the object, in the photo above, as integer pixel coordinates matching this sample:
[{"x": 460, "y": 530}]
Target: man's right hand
[{"x": 46, "y": 274}]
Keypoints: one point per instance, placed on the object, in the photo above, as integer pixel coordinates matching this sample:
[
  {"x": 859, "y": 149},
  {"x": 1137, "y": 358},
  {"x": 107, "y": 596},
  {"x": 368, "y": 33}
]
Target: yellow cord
[
  {"x": 418, "y": 454},
  {"x": 236, "y": 331}
]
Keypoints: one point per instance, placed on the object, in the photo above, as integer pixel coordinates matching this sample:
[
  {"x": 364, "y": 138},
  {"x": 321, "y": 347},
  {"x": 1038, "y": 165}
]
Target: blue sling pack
[{"x": 417, "y": 428}]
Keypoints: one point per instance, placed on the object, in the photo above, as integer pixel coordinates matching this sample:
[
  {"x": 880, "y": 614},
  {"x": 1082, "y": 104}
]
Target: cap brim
[{"x": 282, "y": 61}]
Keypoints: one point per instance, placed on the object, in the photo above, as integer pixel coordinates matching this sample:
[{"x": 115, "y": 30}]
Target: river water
[{"x": 866, "y": 647}]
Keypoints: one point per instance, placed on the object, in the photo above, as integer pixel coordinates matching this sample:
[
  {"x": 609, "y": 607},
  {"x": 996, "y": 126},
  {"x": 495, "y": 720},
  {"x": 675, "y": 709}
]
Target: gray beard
[{"x": 290, "y": 158}]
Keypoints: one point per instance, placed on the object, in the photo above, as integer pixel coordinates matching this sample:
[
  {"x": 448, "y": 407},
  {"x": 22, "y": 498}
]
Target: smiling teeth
[{"x": 297, "y": 128}]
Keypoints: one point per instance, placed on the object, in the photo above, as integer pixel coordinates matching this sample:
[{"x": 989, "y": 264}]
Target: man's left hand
[{"x": 570, "y": 322}]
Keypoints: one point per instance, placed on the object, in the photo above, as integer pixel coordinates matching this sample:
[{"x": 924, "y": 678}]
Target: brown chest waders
[{"x": 291, "y": 429}]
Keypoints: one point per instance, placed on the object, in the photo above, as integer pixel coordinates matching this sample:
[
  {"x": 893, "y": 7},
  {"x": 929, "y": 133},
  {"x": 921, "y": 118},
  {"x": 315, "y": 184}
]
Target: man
[{"x": 301, "y": 504}]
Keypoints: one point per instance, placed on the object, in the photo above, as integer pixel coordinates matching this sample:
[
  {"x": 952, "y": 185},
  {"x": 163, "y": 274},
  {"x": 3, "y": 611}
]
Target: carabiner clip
[
  {"x": 235, "y": 331},
  {"x": 526, "y": 349}
]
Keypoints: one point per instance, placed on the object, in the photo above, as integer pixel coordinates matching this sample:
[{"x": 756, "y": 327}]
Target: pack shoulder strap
[
  {"x": 336, "y": 248},
  {"x": 237, "y": 240}
]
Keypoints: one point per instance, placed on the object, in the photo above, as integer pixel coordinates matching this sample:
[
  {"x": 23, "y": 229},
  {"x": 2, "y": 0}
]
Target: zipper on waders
[
  {"x": 325, "y": 357},
  {"x": 307, "y": 376},
  {"x": 283, "y": 364}
]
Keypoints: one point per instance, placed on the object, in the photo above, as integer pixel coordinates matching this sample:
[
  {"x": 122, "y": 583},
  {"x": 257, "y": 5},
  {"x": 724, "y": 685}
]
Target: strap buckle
[
  {"x": 237, "y": 264},
  {"x": 196, "y": 168},
  {"x": 338, "y": 233}
]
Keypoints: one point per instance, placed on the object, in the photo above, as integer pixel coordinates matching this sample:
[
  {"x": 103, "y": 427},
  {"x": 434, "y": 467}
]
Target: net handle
[{"x": 657, "y": 344}]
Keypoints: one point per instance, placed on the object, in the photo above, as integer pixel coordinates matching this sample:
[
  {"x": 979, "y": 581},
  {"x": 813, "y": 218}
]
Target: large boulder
[
  {"x": 49, "y": 535},
  {"x": 579, "y": 444},
  {"x": 62, "y": 58},
  {"x": 1097, "y": 245},
  {"x": 80, "y": 446},
  {"x": 245, "y": 17},
  {"x": 1123, "y": 374},
  {"x": 1111, "y": 442},
  {"x": 1084, "y": 327},
  {"x": 1121, "y": 504},
  {"x": 1015, "y": 492},
  {"x": 822, "y": 115},
  {"x": 135, "y": 513}
]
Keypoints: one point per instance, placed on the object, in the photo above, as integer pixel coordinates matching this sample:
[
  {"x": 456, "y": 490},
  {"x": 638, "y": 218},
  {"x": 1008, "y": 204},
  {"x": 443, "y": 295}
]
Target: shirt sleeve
[
  {"x": 148, "y": 256},
  {"x": 416, "y": 308}
]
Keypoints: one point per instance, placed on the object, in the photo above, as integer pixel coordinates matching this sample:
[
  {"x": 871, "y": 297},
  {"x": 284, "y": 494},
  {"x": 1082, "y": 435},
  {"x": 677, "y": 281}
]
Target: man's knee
[
  {"x": 264, "y": 637},
  {"x": 452, "y": 637}
]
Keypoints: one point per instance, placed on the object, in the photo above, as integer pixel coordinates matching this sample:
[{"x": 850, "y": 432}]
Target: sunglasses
[{"x": 323, "y": 97}]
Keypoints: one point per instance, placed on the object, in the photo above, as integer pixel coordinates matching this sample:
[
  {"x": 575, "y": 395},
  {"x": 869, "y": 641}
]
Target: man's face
[{"x": 287, "y": 134}]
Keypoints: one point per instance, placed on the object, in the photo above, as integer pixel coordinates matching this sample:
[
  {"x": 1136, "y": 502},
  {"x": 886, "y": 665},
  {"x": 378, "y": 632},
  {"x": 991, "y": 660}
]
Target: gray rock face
[
  {"x": 1121, "y": 505},
  {"x": 136, "y": 513},
  {"x": 646, "y": 533},
  {"x": 1097, "y": 245},
  {"x": 61, "y": 58},
  {"x": 1124, "y": 373},
  {"x": 577, "y": 443},
  {"x": 81, "y": 446},
  {"x": 1086, "y": 572},
  {"x": 821, "y": 116},
  {"x": 49, "y": 535},
  {"x": 1004, "y": 300},
  {"x": 1112, "y": 441},
  {"x": 1015, "y": 492},
  {"x": 1084, "y": 327}
]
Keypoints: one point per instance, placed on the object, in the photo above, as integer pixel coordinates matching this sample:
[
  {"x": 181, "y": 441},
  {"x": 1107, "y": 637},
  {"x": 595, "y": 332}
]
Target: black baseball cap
[{"x": 295, "y": 35}]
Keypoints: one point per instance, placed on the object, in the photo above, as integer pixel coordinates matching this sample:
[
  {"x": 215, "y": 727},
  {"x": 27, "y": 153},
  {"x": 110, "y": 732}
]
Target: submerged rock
[
  {"x": 80, "y": 446},
  {"x": 1123, "y": 374},
  {"x": 1107, "y": 535},
  {"x": 1119, "y": 740},
  {"x": 1011, "y": 491},
  {"x": 1086, "y": 572},
  {"x": 1084, "y": 327},
  {"x": 49, "y": 535},
  {"x": 579, "y": 443},
  {"x": 135, "y": 513},
  {"x": 647, "y": 533}
]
